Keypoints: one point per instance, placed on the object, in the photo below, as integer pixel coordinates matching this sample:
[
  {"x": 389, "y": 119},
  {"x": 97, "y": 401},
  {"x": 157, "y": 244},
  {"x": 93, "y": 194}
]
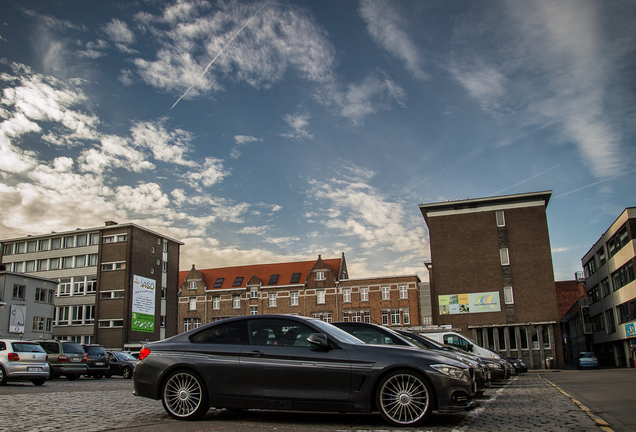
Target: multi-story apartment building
[
  {"x": 26, "y": 305},
  {"x": 491, "y": 274},
  {"x": 390, "y": 301},
  {"x": 307, "y": 288},
  {"x": 611, "y": 291},
  {"x": 117, "y": 283}
]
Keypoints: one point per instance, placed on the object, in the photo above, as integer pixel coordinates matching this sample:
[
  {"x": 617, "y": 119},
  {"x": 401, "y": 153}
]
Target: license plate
[
  {"x": 34, "y": 369},
  {"x": 99, "y": 363},
  {"x": 75, "y": 360}
]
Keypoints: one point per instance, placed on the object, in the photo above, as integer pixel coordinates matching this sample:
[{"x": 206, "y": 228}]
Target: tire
[
  {"x": 126, "y": 373},
  {"x": 72, "y": 377},
  {"x": 3, "y": 376},
  {"x": 38, "y": 382},
  {"x": 405, "y": 398},
  {"x": 184, "y": 395},
  {"x": 98, "y": 376},
  {"x": 108, "y": 375}
]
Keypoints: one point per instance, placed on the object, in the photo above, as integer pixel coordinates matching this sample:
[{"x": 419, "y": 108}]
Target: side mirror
[{"x": 319, "y": 340}]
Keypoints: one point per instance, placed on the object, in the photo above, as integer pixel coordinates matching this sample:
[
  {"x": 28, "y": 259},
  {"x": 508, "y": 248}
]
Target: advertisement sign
[
  {"x": 17, "y": 318},
  {"x": 143, "y": 304},
  {"x": 629, "y": 329},
  {"x": 469, "y": 303}
]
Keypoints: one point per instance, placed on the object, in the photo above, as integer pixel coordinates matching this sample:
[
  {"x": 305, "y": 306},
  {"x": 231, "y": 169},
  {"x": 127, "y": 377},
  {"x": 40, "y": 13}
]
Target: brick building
[
  {"x": 611, "y": 290},
  {"x": 491, "y": 274},
  {"x": 98, "y": 270},
  {"x": 319, "y": 289}
]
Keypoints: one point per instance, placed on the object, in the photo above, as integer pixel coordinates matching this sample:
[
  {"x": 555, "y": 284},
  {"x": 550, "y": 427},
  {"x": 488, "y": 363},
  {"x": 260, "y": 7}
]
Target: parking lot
[{"x": 526, "y": 402}]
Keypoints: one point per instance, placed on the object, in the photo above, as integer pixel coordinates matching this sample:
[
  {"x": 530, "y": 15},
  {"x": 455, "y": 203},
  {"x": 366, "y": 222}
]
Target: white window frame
[
  {"x": 406, "y": 317},
  {"x": 272, "y": 299},
  {"x": 505, "y": 257},
  {"x": 395, "y": 317},
  {"x": 500, "y": 218},
  {"x": 386, "y": 293},
  {"x": 346, "y": 295},
  {"x": 254, "y": 292},
  {"x": 320, "y": 297},
  {"x": 253, "y": 310},
  {"x": 216, "y": 302},
  {"x": 404, "y": 291},
  {"x": 236, "y": 302},
  {"x": 320, "y": 275},
  {"x": 293, "y": 298},
  {"x": 364, "y": 294},
  {"x": 193, "y": 285},
  {"x": 192, "y": 304},
  {"x": 508, "y": 295}
]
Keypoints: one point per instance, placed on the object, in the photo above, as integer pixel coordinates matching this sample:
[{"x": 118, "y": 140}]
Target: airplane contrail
[
  {"x": 593, "y": 184},
  {"x": 221, "y": 52}
]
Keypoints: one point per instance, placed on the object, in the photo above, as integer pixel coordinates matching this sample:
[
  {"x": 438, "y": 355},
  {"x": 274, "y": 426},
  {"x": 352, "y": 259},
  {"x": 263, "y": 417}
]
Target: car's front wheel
[
  {"x": 126, "y": 373},
  {"x": 3, "y": 376},
  {"x": 39, "y": 382},
  {"x": 184, "y": 396},
  {"x": 405, "y": 398}
]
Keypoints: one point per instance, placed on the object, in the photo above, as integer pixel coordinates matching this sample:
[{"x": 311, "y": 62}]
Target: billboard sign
[
  {"x": 17, "y": 318},
  {"x": 469, "y": 303},
  {"x": 143, "y": 304}
]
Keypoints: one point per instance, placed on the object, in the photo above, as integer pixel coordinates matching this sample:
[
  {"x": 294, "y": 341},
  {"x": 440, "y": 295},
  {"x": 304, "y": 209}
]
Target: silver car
[{"x": 22, "y": 361}]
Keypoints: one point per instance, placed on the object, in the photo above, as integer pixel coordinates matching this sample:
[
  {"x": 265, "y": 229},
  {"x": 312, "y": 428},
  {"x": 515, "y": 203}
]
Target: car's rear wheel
[
  {"x": 3, "y": 376},
  {"x": 98, "y": 376},
  {"x": 72, "y": 377},
  {"x": 405, "y": 398},
  {"x": 126, "y": 373},
  {"x": 184, "y": 396},
  {"x": 39, "y": 382}
]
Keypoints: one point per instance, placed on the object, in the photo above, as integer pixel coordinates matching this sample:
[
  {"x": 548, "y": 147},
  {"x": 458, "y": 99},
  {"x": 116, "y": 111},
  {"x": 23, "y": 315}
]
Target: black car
[
  {"x": 121, "y": 364},
  {"x": 279, "y": 362},
  {"x": 519, "y": 365},
  {"x": 97, "y": 361}
]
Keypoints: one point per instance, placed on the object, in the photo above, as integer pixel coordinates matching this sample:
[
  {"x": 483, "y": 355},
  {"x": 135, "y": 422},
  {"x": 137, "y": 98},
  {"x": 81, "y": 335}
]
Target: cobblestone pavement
[{"x": 527, "y": 402}]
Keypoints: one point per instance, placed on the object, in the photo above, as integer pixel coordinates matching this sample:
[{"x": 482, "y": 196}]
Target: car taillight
[
  {"x": 47, "y": 358},
  {"x": 14, "y": 357},
  {"x": 62, "y": 358},
  {"x": 85, "y": 359},
  {"x": 145, "y": 352}
]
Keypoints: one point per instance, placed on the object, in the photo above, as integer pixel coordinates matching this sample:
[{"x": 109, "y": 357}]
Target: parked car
[
  {"x": 120, "y": 363},
  {"x": 97, "y": 362},
  {"x": 22, "y": 361},
  {"x": 297, "y": 363},
  {"x": 519, "y": 365},
  {"x": 482, "y": 372},
  {"x": 587, "y": 359},
  {"x": 65, "y": 358}
]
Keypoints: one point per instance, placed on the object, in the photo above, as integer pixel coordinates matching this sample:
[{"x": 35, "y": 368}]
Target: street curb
[{"x": 599, "y": 421}]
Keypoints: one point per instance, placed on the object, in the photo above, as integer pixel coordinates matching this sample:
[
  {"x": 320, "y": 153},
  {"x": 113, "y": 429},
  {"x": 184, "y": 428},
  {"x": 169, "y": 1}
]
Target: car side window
[
  {"x": 225, "y": 333},
  {"x": 3, "y": 346},
  {"x": 279, "y": 332},
  {"x": 51, "y": 348}
]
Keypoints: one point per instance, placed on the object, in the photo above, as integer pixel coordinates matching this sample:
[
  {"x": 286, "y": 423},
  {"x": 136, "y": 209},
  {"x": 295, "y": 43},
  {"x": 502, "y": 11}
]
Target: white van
[{"x": 461, "y": 342}]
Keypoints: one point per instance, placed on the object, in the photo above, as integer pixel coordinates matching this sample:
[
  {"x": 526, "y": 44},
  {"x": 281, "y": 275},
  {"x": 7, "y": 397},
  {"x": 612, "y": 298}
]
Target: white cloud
[
  {"x": 166, "y": 146},
  {"x": 298, "y": 123},
  {"x": 388, "y": 29},
  {"x": 118, "y": 32},
  {"x": 242, "y": 140},
  {"x": 207, "y": 174}
]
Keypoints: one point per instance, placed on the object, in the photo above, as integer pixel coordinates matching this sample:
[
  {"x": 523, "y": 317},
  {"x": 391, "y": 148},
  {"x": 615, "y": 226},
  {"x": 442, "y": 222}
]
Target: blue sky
[{"x": 274, "y": 131}]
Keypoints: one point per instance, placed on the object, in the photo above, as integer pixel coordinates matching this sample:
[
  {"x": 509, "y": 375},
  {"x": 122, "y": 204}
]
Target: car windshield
[
  {"x": 93, "y": 350},
  {"x": 334, "y": 331},
  {"x": 125, "y": 356},
  {"x": 72, "y": 348},
  {"x": 26, "y": 347}
]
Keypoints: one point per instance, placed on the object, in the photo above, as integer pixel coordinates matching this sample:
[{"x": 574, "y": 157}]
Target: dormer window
[
  {"x": 320, "y": 275},
  {"x": 295, "y": 278},
  {"x": 193, "y": 285},
  {"x": 238, "y": 281},
  {"x": 273, "y": 279},
  {"x": 218, "y": 282}
]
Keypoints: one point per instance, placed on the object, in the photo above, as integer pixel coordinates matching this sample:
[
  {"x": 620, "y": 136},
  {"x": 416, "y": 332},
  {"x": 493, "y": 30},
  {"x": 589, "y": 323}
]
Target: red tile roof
[
  {"x": 262, "y": 271},
  {"x": 568, "y": 293}
]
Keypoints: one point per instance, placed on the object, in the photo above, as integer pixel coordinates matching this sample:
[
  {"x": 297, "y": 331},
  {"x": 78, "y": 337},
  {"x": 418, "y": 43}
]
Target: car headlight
[{"x": 453, "y": 372}]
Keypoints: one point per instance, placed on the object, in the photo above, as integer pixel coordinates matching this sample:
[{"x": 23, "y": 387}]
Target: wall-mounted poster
[
  {"x": 17, "y": 318},
  {"x": 469, "y": 303},
  {"x": 143, "y": 304}
]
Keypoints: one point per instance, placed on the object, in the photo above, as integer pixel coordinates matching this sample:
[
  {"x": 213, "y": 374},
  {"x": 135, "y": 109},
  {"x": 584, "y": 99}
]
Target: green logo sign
[{"x": 143, "y": 322}]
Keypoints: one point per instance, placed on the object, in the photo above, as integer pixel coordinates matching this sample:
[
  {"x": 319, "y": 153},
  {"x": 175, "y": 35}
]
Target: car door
[
  {"x": 280, "y": 364},
  {"x": 214, "y": 352}
]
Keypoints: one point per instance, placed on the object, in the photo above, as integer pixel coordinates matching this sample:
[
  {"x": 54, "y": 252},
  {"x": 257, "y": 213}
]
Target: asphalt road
[{"x": 608, "y": 393}]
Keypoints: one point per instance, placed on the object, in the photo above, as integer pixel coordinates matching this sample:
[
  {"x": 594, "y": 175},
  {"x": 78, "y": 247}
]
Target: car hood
[{"x": 430, "y": 356}]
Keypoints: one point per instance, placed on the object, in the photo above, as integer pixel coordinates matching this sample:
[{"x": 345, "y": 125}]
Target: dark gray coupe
[{"x": 297, "y": 363}]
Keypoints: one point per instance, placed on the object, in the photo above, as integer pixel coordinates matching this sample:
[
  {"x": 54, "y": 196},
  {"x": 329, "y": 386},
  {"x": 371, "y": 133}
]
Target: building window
[
  {"x": 152, "y": 250},
  {"x": 193, "y": 285},
  {"x": 600, "y": 254},
  {"x": 386, "y": 293},
  {"x": 111, "y": 323},
  {"x": 187, "y": 324},
  {"x": 115, "y": 238},
  {"x": 508, "y": 298},
  {"x": 165, "y": 245},
  {"x": 152, "y": 270},
  {"x": 50, "y": 296},
  {"x": 623, "y": 276},
  {"x": 219, "y": 282},
  {"x": 42, "y": 265},
  {"x": 80, "y": 261},
  {"x": 346, "y": 295},
  {"x": 113, "y": 266},
  {"x": 272, "y": 300},
  {"x": 609, "y": 318},
  {"x": 68, "y": 242},
  {"x": 364, "y": 294},
  {"x": 406, "y": 317},
  {"x": 356, "y": 316},
  {"x": 78, "y": 288},
  {"x": 323, "y": 316},
  {"x": 320, "y": 275},
  {"x": 89, "y": 314},
  {"x": 617, "y": 241},
  {"x": 385, "y": 317},
  {"x": 76, "y": 315},
  {"x": 18, "y": 292},
  {"x": 30, "y": 266},
  {"x": 196, "y": 322},
  {"x": 404, "y": 291},
  {"x": 192, "y": 303},
  {"x": 236, "y": 301},
  {"x": 56, "y": 243},
  {"x": 40, "y": 295},
  {"x": 91, "y": 286},
  {"x": 395, "y": 317},
  {"x": 62, "y": 315},
  {"x": 92, "y": 259},
  {"x": 93, "y": 238},
  {"x": 164, "y": 293},
  {"x": 80, "y": 240},
  {"x": 253, "y": 310},
  {"x": 590, "y": 267},
  {"x": 43, "y": 245},
  {"x": 295, "y": 278},
  {"x": 49, "y": 324},
  {"x": 17, "y": 267},
  {"x": 216, "y": 302},
  {"x": 293, "y": 299},
  {"x": 253, "y": 292},
  {"x": 31, "y": 246},
  {"x": 38, "y": 324},
  {"x": 505, "y": 259},
  {"x": 164, "y": 266},
  {"x": 499, "y": 216},
  {"x": 65, "y": 287},
  {"x": 605, "y": 289},
  {"x": 54, "y": 263},
  {"x": 273, "y": 279},
  {"x": 238, "y": 281},
  {"x": 107, "y": 295},
  {"x": 320, "y": 297}
]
